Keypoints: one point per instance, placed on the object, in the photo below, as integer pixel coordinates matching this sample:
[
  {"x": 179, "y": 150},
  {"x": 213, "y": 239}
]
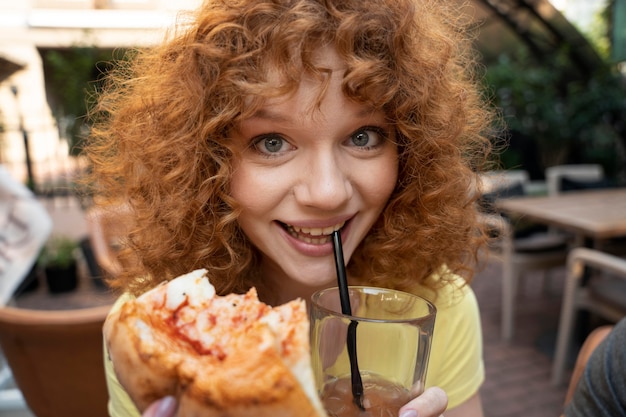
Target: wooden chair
[
  {"x": 56, "y": 359},
  {"x": 492, "y": 181},
  {"x": 604, "y": 294},
  {"x": 578, "y": 172},
  {"x": 538, "y": 251}
]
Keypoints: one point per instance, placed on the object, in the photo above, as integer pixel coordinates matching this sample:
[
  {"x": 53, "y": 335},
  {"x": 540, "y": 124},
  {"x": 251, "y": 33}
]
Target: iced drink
[{"x": 390, "y": 337}]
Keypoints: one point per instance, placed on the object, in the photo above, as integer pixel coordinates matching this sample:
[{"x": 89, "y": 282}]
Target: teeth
[
  {"x": 307, "y": 234},
  {"x": 317, "y": 231}
]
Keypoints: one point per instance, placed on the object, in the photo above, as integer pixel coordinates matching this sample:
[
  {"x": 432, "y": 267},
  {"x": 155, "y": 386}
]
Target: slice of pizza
[{"x": 219, "y": 355}]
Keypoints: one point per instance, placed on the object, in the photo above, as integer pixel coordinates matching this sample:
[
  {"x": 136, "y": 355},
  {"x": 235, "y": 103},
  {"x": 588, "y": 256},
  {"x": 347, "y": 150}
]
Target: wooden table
[{"x": 598, "y": 214}]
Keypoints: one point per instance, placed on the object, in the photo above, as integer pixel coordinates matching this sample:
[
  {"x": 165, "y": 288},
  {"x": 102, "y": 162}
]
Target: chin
[
  {"x": 316, "y": 283},
  {"x": 314, "y": 280}
]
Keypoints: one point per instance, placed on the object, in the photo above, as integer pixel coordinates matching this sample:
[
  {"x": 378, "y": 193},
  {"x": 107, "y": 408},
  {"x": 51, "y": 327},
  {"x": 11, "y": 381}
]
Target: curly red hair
[{"x": 160, "y": 133}]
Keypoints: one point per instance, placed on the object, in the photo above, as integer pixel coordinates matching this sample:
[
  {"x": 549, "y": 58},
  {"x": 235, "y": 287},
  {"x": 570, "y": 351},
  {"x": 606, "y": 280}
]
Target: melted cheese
[
  {"x": 193, "y": 288},
  {"x": 210, "y": 323}
]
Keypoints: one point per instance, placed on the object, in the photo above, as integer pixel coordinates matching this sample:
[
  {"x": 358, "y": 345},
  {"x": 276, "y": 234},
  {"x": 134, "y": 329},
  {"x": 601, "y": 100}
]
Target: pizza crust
[{"x": 261, "y": 367}]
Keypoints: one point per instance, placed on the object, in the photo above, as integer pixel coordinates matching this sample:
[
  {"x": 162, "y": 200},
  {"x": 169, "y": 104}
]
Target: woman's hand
[
  {"x": 432, "y": 403},
  {"x": 165, "y": 407}
]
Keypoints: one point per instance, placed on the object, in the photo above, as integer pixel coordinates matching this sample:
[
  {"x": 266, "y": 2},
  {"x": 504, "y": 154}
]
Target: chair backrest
[
  {"x": 501, "y": 184},
  {"x": 579, "y": 172},
  {"x": 503, "y": 179},
  {"x": 56, "y": 358}
]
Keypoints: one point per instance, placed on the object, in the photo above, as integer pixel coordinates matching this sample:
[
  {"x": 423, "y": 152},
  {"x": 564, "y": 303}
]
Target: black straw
[{"x": 342, "y": 281}]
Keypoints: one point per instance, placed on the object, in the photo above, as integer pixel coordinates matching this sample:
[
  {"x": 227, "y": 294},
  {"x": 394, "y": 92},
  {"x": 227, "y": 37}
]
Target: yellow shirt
[
  {"x": 456, "y": 361},
  {"x": 120, "y": 404},
  {"x": 456, "y": 358}
]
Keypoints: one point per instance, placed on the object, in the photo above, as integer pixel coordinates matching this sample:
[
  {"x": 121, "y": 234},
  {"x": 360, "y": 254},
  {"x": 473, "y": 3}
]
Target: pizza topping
[
  {"x": 193, "y": 288},
  {"x": 210, "y": 324}
]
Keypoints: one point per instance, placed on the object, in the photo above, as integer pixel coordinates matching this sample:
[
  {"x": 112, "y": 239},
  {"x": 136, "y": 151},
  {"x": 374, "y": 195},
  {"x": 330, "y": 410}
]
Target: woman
[{"x": 261, "y": 126}]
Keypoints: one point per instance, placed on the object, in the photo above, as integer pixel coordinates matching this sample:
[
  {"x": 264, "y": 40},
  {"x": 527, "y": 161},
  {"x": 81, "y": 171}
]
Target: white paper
[{"x": 24, "y": 228}]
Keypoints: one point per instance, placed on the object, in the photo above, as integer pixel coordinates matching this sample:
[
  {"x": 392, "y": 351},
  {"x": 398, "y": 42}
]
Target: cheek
[
  {"x": 389, "y": 180},
  {"x": 255, "y": 190},
  {"x": 244, "y": 189},
  {"x": 380, "y": 181}
]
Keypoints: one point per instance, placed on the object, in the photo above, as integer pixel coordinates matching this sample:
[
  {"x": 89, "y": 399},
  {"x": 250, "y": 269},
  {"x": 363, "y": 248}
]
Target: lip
[{"x": 310, "y": 249}]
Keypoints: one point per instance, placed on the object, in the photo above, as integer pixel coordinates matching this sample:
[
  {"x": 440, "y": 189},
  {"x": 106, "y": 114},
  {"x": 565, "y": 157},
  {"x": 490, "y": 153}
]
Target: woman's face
[{"x": 302, "y": 172}]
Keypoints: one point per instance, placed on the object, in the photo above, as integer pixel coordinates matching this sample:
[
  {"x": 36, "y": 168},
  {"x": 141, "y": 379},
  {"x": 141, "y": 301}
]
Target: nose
[{"x": 324, "y": 183}]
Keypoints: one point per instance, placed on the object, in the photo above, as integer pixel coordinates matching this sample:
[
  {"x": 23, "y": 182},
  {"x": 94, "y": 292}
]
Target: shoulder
[
  {"x": 458, "y": 315},
  {"x": 456, "y": 362},
  {"x": 601, "y": 390},
  {"x": 609, "y": 356}
]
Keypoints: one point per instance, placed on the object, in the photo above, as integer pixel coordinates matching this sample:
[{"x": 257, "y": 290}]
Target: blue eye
[
  {"x": 272, "y": 144},
  {"x": 269, "y": 144},
  {"x": 361, "y": 138},
  {"x": 368, "y": 137}
]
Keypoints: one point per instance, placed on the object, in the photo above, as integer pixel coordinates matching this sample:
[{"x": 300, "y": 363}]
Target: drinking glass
[{"x": 393, "y": 338}]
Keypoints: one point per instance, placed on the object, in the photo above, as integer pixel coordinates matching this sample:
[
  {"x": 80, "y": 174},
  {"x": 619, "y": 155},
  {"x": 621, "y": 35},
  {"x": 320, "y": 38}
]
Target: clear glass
[{"x": 393, "y": 339}]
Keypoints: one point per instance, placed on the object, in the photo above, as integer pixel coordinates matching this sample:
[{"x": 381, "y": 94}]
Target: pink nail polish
[{"x": 166, "y": 407}]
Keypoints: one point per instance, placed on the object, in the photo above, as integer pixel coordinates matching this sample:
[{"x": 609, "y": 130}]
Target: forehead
[
  {"x": 323, "y": 76},
  {"x": 324, "y": 61},
  {"x": 327, "y": 57}
]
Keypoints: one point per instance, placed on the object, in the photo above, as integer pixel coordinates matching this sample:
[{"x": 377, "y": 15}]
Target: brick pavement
[{"x": 518, "y": 373}]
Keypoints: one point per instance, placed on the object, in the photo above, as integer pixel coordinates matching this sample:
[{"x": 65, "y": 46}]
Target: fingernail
[
  {"x": 167, "y": 406},
  {"x": 408, "y": 413}
]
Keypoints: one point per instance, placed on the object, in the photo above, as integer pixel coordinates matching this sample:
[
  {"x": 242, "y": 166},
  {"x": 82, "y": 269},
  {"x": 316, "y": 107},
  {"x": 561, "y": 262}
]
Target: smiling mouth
[{"x": 312, "y": 235}]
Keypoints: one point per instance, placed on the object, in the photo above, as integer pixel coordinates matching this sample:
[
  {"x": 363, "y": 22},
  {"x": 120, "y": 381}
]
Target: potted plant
[{"x": 58, "y": 260}]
